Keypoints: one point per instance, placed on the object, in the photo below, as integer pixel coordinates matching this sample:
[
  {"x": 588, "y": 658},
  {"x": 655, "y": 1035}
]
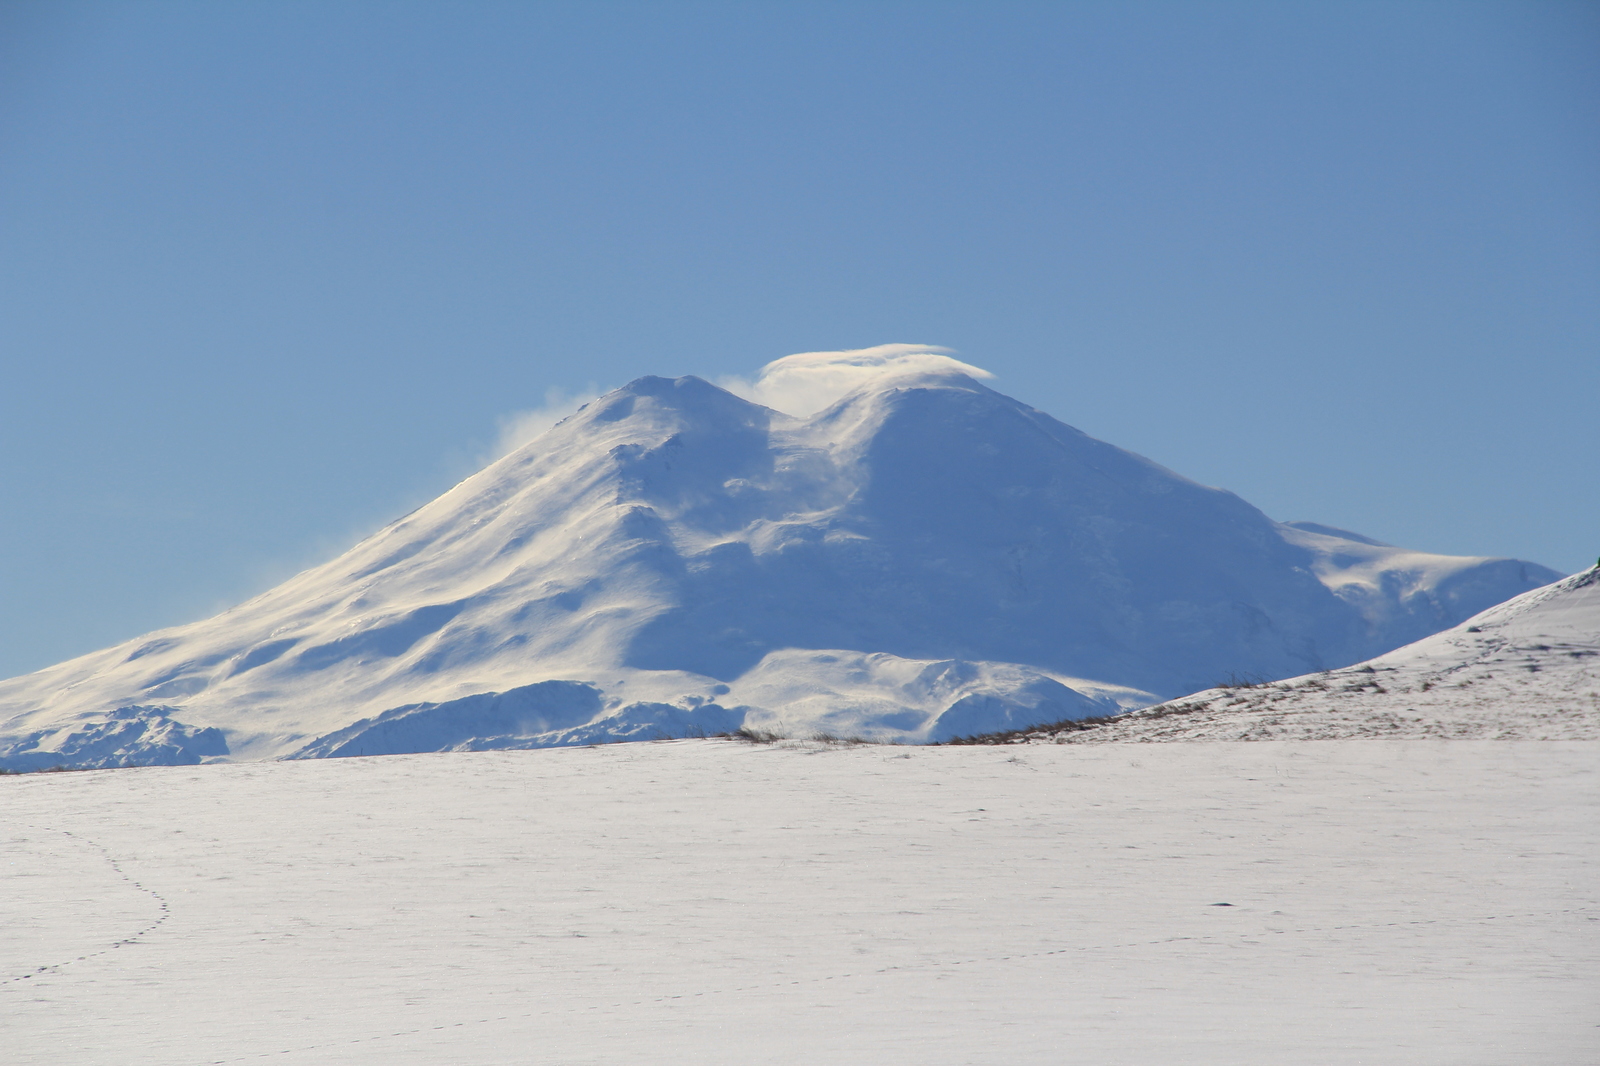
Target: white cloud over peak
[{"x": 804, "y": 384}]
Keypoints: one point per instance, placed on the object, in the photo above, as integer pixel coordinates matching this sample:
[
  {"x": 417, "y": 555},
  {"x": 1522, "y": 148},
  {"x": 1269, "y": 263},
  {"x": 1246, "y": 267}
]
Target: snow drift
[{"x": 923, "y": 558}]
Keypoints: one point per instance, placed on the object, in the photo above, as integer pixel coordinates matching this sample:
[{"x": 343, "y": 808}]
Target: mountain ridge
[{"x": 1525, "y": 669}]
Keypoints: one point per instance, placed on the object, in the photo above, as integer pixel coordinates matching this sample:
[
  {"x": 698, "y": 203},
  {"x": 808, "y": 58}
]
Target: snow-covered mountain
[
  {"x": 923, "y": 558},
  {"x": 1527, "y": 669}
]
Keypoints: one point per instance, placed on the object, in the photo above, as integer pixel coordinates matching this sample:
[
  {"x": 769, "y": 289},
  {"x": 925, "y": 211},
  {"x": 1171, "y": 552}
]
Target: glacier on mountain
[{"x": 922, "y": 558}]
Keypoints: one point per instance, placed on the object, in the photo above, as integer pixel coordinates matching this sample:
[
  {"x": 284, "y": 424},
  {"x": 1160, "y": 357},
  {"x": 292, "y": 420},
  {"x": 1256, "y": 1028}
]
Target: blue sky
[{"x": 275, "y": 273}]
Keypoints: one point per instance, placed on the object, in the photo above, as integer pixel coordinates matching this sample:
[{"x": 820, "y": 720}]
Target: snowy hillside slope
[
  {"x": 1528, "y": 669},
  {"x": 924, "y": 558}
]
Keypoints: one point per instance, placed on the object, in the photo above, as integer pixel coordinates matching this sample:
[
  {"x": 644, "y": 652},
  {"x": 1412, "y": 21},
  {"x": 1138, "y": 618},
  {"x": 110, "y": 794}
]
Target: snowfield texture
[
  {"x": 1528, "y": 669},
  {"x": 922, "y": 559},
  {"x": 710, "y": 902}
]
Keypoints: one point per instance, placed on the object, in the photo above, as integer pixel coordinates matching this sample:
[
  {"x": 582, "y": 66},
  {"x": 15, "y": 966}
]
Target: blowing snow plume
[
  {"x": 803, "y": 384},
  {"x": 520, "y": 427}
]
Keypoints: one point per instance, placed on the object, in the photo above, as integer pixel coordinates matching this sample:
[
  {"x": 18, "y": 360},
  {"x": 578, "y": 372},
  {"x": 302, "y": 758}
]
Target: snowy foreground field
[{"x": 715, "y": 902}]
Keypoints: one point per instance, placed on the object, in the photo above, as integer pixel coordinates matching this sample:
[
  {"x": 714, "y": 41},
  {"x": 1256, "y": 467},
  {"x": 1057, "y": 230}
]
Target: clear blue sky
[{"x": 271, "y": 272}]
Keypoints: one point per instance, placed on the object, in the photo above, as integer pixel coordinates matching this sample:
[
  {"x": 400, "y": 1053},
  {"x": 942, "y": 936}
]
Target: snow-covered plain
[{"x": 709, "y": 901}]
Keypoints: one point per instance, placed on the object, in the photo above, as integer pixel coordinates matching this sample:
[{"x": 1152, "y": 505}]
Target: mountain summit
[{"x": 924, "y": 558}]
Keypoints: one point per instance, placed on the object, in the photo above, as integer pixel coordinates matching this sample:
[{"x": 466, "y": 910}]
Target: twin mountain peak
[{"x": 925, "y": 558}]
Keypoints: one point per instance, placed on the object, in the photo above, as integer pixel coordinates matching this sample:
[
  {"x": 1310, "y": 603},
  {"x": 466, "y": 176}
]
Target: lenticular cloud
[{"x": 804, "y": 384}]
